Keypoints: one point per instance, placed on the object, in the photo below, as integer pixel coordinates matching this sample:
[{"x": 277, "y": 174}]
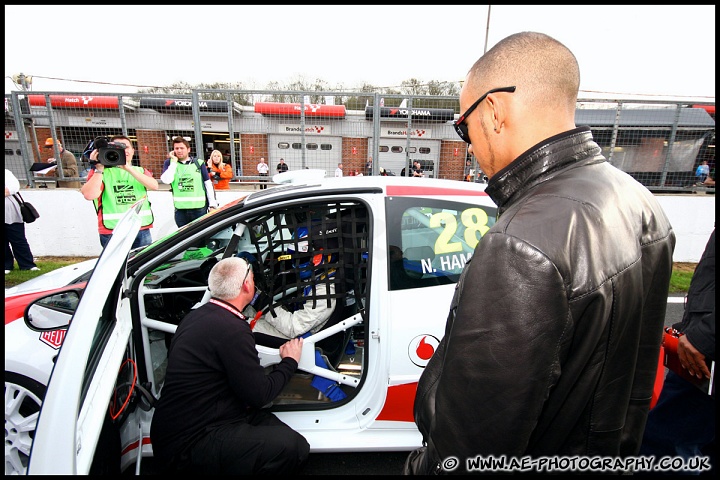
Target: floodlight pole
[{"x": 487, "y": 30}]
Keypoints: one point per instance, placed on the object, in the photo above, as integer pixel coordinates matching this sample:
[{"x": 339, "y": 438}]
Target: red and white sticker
[{"x": 421, "y": 348}]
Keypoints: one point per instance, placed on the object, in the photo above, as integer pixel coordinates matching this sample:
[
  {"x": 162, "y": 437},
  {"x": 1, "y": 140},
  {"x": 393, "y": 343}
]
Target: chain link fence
[{"x": 659, "y": 143}]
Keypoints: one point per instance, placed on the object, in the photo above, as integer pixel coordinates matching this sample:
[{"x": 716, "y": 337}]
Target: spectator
[
  {"x": 702, "y": 171},
  {"x": 468, "y": 172},
  {"x": 211, "y": 418},
  {"x": 68, "y": 162},
  {"x": 16, "y": 244},
  {"x": 417, "y": 170},
  {"x": 339, "y": 170},
  {"x": 102, "y": 186},
  {"x": 220, "y": 172},
  {"x": 263, "y": 168},
  {"x": 553, "y": 335},
  {"x": 282, "y": 166},
  {"x": 192, "y": 189},
  {"x": 368, "y": 167},
  {"x": 682, "y": 423}
]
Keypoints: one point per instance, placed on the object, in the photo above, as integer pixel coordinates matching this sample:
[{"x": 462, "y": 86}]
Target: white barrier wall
[{"x": 68, "y": 223}]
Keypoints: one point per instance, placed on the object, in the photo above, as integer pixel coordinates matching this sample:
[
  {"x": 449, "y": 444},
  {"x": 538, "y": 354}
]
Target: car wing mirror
[{"x": 52, "y": 311}]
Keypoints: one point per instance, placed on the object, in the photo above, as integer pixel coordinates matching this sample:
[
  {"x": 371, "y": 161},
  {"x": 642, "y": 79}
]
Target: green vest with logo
[
  {"x": 121, "y": 190},
  {"x": 188, "y": 189}
]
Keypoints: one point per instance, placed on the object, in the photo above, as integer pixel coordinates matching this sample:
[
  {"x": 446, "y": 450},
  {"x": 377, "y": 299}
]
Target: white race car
[{"x": 396, "y": 247}]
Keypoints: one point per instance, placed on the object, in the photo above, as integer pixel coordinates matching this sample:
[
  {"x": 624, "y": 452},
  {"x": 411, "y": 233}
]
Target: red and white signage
[
  {"x": 294, "y": 109},
  {"x": 315, "y": 129},
  {"x": 68, "y": 101}
]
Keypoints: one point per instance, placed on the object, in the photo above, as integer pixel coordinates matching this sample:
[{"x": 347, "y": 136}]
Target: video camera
[{"x": 110, "y": 154}]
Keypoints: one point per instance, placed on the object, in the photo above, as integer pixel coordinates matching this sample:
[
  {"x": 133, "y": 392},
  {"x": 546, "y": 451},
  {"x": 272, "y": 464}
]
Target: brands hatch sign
[{"x": 401, "y": 113}]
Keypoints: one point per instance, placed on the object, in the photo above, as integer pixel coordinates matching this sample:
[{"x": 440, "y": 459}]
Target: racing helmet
[{"x": 306, "y": 260}]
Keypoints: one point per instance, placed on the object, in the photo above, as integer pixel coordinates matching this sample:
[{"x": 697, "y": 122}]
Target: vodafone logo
[{"x": 421, "y": 348}]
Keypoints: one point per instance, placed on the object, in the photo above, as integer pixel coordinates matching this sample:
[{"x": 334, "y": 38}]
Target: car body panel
[{"x": 408, "y": 239}]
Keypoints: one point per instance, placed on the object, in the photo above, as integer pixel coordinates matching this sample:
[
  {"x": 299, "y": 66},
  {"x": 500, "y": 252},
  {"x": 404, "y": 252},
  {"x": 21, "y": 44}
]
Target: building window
[
  {"x": 396, "y": 149},
  {"x": 384, "y": 149},
  {"x": 424, "y": 150},
  {"x": 325, "y": 146},
  {"x": 283, "y": 145},
  {"x": 312, "y": 146},
  {"x": 297, "y": 146}
]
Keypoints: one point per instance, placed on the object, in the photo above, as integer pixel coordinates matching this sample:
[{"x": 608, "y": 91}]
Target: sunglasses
[
  {"x": 247, "y": 270},
  {"x": 461, "y": 127}
]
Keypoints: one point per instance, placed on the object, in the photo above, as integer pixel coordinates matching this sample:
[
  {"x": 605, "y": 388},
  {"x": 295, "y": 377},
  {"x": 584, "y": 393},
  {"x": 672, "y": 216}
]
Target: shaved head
[{"x": 544, "y": 70}]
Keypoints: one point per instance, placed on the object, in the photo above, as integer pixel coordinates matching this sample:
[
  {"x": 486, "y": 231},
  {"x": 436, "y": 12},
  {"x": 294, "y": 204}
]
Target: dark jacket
[
  {"x": 553, "y": 337},
  {"x": 213, "y": 377},
  {"x": 698, "y": 322}
]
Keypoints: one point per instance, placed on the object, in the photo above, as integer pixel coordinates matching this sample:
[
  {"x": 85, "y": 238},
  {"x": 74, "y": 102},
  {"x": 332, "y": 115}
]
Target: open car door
[{"x": 85, "y": 372}]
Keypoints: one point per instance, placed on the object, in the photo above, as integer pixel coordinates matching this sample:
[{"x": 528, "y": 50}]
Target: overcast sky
[{"x": 622, "y": 50}]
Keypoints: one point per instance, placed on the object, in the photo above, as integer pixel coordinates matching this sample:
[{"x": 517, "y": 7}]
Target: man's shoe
[
  {"x": 34, "y": 269},
  {"x": 7, "y": 272}
]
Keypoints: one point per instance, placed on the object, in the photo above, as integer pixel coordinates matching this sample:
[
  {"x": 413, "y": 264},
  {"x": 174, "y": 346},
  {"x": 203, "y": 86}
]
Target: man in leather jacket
[{"x": 551, "y": 344}]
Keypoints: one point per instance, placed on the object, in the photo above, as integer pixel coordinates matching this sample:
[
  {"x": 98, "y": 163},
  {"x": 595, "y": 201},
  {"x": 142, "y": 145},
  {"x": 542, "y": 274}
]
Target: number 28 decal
[{"x": 475, "y": 221}]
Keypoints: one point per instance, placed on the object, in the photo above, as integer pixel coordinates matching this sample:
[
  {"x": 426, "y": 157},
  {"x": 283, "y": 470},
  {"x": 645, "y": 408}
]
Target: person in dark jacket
[
  {"x": 210, "y": 417},
  {"x": 682, "y": 424},
  {"x": 552, "y": 340}
]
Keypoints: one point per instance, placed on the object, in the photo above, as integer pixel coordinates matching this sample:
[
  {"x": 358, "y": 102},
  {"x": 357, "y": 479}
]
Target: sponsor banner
[
  {"x": 171, "y": 104},
  {"x": 69, "y": 101},
  {"x": 316, "y": 129},
  {"x": 11, "y": 135},
  {"x": 93, "y": 121},
  {"x": 402, "y": 132},
  {"x": 311, "y": 109},
  {"x": 428, "y": 114}
]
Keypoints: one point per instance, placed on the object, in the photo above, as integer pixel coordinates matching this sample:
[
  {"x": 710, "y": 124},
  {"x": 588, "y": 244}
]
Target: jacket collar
[{"x": 541, "y": 163}]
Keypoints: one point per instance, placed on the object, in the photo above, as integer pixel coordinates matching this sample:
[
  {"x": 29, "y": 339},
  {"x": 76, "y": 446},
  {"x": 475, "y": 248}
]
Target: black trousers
[
  {"x": 260, "y": 445},
  {"x": 17, "y": 247},
  {"x": 263, "y": 186}
]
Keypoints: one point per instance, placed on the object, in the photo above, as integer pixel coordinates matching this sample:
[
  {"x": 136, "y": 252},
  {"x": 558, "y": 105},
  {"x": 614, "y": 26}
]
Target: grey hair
[
  {"x": 226, "y": 278},
  {"x": 544, "y": 70}
]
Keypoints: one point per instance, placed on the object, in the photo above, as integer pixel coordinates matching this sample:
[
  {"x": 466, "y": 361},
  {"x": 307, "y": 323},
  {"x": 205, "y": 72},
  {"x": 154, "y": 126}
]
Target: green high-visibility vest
[
  {"x": 187, "y": 187},
  {"x": 121, "y": 190}
]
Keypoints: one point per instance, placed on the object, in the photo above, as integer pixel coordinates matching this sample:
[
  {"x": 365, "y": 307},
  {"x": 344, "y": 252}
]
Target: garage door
[
  {"x": 393, "y": 154},
  {"x": 322, "y": 152}
]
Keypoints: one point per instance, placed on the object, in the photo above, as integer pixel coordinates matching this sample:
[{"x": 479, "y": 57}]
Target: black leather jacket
[{"x": 552, "y": 342}]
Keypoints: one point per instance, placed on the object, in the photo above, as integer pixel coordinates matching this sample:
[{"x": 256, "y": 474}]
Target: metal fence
[{"x": 659, "y": 143}]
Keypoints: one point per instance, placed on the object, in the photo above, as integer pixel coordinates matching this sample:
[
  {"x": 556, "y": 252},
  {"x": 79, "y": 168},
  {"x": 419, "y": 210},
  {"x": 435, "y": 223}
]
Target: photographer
[{"x": 125, "y": 184}]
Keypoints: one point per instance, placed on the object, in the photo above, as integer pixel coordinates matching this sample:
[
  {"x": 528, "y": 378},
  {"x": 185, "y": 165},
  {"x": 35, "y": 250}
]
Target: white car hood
[{"x": 55, "y": 279}]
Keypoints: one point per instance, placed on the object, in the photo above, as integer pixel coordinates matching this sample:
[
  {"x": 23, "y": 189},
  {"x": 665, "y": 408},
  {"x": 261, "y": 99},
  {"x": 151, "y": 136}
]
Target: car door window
[{"x": 429, "y": 241}]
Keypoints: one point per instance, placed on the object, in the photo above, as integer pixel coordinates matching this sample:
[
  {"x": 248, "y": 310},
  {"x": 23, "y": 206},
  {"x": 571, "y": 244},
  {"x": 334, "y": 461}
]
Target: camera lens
[{"x": 112, "y": 156}]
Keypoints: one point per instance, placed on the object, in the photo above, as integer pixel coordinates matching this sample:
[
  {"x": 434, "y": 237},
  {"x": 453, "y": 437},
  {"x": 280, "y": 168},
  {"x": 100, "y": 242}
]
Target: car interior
[{"x": 282, "y": 246}]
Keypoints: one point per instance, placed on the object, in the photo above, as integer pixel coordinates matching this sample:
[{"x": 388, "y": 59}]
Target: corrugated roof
[{"x": 656, "y": 117}]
